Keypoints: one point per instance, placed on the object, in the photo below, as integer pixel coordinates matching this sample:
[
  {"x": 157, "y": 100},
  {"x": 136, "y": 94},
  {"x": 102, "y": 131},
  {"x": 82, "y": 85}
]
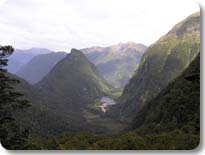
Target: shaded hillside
[
  {"x": 163, "y": 61},
  {"x": 39, "y": 66},
  {"x": 177, "y": 106},
  {"x": 43, "y": 119},
  {"x": 116, "y": 63}
]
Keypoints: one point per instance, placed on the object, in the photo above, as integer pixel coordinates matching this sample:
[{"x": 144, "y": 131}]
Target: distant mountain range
[
  {"x": 22, "y": 57},
  {"x": 116, "y": 63},
  {"x": 39, "y": 66}
]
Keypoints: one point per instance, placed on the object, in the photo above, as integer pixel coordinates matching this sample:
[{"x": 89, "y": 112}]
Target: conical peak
[{"x": 76, "y": 53}]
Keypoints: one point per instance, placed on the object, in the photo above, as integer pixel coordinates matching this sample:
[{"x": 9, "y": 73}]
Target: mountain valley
[{"x": 125, "y": 96}]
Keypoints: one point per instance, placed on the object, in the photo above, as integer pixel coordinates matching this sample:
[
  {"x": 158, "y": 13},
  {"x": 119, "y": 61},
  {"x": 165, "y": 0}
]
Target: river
[{"x": 105, "y": 102}]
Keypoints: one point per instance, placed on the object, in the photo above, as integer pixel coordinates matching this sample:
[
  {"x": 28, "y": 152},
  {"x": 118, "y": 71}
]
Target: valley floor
[{"x": 95, "y": 114}]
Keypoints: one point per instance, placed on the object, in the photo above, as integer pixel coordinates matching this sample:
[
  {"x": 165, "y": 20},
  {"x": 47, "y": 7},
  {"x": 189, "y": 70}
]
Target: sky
[{"x": 64, "y": 24}]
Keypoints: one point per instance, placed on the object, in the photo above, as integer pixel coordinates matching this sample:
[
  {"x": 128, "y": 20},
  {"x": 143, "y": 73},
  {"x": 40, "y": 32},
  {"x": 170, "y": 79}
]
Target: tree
[{"x": 12, "y": 135}]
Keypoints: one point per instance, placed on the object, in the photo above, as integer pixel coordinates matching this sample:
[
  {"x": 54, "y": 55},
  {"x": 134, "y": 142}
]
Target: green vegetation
[
  {"x": 171, "y": 121},
  {"x": 62, "y": 101},
  {"x": 74, "y": 78},
  {"x": 12, "y": 135},
  {"x": 134, "y": 140},
  {"x": 161, "y": 64},
  {"x": 63, "y": 95},
  {"x": 177, "y": 106}
]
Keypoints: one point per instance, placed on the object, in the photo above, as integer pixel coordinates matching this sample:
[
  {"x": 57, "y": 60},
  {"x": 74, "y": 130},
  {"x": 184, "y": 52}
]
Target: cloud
[{"x": 65, "y": 24}]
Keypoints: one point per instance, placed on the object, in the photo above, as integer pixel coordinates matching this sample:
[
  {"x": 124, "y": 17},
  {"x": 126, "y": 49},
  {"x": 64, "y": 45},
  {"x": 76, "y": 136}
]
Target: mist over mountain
[{"x": 116, "y": 63}]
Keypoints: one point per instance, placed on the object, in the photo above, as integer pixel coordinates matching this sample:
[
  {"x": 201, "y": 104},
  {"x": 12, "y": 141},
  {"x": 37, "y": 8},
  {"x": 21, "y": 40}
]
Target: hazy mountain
[
  {"x": 116, "y": 63},
  {"x": 39, "y": 66},
  {"x": 163, "y": 62},
  {"x": 21, "y": 57},
  {"x": 14, "y": 65},
  {"x": 177, "y": 106}
]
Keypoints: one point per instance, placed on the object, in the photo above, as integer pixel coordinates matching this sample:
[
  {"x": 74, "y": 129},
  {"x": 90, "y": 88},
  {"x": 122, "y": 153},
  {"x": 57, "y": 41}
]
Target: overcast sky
[{"x": 65, "y": 24}]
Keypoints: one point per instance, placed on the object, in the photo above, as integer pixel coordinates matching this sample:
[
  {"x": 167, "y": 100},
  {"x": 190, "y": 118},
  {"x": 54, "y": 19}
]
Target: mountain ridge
[
  {"x": 116, "y": 63},
  {"x": 39, "y": 66},
  {"x": 22, "y": 57}
]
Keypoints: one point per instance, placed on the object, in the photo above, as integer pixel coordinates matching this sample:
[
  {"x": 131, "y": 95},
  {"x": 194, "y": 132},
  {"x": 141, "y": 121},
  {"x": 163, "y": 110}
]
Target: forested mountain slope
[
  {"x": 177, "y": 106},
  {"x": 163, "y": 62}
]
